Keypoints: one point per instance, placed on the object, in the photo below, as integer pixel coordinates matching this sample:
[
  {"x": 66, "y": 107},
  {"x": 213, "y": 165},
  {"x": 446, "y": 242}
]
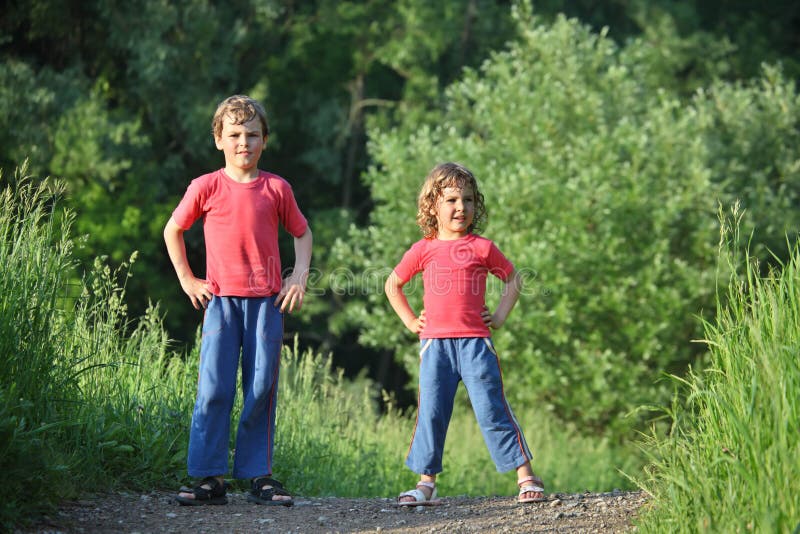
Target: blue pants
[
  {"x": 443, "y": 363},
  {"x": 252, "y": 327}
]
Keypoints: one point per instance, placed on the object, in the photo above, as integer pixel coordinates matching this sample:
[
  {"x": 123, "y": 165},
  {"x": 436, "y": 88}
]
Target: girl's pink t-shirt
[
  {"x": 454, "y": 280},
  {"x": 240, "y": 225}
]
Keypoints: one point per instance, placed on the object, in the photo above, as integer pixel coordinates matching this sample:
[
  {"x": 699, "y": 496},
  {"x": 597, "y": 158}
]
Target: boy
[{"x": 244, "y": 298}]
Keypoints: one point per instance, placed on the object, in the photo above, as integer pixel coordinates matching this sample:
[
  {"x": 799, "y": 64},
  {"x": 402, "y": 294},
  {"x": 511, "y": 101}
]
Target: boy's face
[
  {"x": 242, "y": 145},
  {"x": 454, "y": 212}
]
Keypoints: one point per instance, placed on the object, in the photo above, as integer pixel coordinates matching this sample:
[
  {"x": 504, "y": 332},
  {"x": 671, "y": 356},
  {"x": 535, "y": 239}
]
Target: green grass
[
  {"x": 731, "y": 462},
  {"x": 93, "y": 400}
]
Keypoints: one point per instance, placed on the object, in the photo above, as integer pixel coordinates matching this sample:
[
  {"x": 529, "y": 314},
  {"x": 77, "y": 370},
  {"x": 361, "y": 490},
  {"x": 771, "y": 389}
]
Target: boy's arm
[
  {"x": 293, "y": 288},
  {"x": 399, "y": 302},
  {"x": 509, "y": 297},
  {"x": 194, "y": 287}
]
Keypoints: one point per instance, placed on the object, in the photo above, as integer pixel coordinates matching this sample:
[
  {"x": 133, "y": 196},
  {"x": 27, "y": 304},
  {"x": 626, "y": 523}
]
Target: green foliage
[
  {"x": 91, "y": 400},
  {"x": 602, "y": 161},
  {"x": 82, "y": 399},
  {"x": 332, "y": 438},
  {"x": 730, "y": 460},
  {"x": 602, "y": 190},
  {"x": 752, "y": 134},
  {"x": 116, "y": 100},
  {"x": 34, "y": 263},
  {"x": 566, "y": 460}
]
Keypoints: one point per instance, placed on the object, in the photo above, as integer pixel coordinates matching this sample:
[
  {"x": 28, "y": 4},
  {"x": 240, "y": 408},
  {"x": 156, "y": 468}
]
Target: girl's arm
[
  {"x": 509, "y": 297},
  {"x": 399, "y": 302}
]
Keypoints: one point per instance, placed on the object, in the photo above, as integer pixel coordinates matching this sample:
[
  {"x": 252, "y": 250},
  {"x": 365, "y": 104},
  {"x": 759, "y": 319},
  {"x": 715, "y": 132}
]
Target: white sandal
[
  {"x": 537, "y": 486},
  {"x": 419, "y": 496}
]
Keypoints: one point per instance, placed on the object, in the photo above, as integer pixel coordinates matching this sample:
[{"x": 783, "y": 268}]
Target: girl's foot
[
  {"x": 424, "y": 493},
  {"x": 531, "y": 489}
]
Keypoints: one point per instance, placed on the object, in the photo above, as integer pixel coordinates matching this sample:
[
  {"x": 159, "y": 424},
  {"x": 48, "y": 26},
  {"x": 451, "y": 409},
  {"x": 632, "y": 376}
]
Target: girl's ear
[{"x": 432, "y": 209}]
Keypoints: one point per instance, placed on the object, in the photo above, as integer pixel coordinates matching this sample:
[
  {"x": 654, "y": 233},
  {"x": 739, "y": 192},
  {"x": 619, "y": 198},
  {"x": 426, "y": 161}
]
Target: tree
[{"x": 603, "y": 188}]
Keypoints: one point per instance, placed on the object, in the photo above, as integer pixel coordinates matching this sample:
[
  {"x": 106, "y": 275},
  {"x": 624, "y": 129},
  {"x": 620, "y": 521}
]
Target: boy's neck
[{"x": 241, "y": 176}]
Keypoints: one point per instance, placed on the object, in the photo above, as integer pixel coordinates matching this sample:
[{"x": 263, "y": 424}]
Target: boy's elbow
[
  {"x": 172, "y": 230},
  {"x": 306, "y": 236}
]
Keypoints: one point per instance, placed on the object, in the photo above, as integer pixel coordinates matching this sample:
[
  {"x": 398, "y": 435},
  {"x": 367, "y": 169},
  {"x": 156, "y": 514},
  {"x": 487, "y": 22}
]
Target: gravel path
[{"x": 157, "y": 512}]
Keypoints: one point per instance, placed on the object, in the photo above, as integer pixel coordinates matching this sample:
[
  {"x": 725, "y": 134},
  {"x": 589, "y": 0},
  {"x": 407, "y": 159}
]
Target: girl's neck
[{"x": 451, "y": 237}]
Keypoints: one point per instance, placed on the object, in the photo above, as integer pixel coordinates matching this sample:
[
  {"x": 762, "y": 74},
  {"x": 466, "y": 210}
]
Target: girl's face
[
  {"x": 242, "y": 145},
  {"x": 454, "y": 211}
]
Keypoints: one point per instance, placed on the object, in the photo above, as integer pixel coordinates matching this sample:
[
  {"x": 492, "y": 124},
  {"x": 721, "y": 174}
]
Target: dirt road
[{"x": 157, "y": 512}]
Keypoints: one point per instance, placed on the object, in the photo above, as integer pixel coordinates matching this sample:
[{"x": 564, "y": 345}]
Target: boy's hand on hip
[{"x": 291, "y": 295}]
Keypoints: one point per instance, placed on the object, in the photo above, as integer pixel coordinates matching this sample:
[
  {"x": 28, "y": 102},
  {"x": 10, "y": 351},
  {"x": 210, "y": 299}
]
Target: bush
[
  {"x": 602, "y": 189},
  {"x": 91, "y": 400}
]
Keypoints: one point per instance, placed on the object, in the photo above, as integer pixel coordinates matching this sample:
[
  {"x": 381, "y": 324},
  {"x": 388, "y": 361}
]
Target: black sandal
[
  {"x": 215, "y": 495},
  {"x": 265, "y": 496}
]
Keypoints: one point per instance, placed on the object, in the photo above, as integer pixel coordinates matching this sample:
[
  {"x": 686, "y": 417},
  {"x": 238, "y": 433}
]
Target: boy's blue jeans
[
  {"x": 443, "y": 362},
  {"x": 254, "y": 328}
]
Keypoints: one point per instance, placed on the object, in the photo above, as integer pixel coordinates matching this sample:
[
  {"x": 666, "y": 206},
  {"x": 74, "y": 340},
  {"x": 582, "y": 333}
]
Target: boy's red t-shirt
[
  {"x": 240, "y": 225},
  {"x": 454, "y": 280}
]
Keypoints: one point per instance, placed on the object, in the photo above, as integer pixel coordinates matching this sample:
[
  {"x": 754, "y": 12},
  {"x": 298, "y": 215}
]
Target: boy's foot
[
  {"x": 531, "y": 489},
  {"x": 423, "y": 495},
  {"x": 266, "y": 490},
  {"x": 210, "y": 490}
]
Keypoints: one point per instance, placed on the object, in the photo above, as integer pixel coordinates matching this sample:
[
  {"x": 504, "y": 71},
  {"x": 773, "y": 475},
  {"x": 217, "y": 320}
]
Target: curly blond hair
[
  {"x": 442, "y": 176},
  {"x": 241, "y": 109}
]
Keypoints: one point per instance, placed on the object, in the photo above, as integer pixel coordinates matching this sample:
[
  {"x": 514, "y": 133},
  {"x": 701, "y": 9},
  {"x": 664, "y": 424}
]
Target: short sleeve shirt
[
  {"x": 454, "y": 281},
  {"x": 240, "y": 226}
]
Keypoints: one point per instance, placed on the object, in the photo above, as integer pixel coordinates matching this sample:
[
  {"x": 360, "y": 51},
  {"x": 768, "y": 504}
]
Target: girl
[{"x": 454, "y": 331}]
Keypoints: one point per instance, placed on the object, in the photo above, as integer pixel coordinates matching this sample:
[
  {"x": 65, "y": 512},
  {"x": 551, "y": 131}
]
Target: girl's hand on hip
[{"x": 418, "y": 324}]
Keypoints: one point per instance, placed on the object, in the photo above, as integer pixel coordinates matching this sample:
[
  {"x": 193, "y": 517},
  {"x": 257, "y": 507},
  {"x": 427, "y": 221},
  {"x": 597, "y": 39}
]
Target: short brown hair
[
  {"x": 442, "y": 176},
  {"x": 241, "y": 109}
]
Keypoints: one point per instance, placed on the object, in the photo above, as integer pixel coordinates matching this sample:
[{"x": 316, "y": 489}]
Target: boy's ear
[{"x": 218, "y": 142}]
